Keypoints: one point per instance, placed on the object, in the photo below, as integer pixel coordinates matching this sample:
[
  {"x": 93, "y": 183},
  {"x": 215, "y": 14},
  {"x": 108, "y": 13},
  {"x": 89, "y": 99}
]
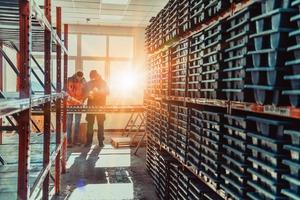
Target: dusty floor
[{"x": 106, "y": 174}]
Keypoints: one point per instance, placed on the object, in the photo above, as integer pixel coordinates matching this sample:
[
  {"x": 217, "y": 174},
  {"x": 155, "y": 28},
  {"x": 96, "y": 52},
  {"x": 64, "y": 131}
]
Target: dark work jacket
[{"x": 97, "y": 98}]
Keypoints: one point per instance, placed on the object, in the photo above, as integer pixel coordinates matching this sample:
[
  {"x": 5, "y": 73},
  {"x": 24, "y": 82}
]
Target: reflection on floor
[
  {"x": 106, "y": 174},
  {"x": 108, "y": 191}
]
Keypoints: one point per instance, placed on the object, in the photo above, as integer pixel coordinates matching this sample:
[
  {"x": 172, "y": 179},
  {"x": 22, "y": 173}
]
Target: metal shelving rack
[
  {"x": 284, "y": 111},
  {"x": 25, "y": 27},
  {"x": 228, "y": 106}
]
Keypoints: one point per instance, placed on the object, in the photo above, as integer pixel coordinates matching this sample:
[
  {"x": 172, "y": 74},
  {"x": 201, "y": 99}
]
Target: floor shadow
[
  {"x": 83, "y": 170},
  {"x": 106, "y": 174}
]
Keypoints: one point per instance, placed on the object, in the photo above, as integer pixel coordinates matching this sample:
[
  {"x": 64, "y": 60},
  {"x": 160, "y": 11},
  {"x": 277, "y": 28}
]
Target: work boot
[{"x": 101, "y": 144}]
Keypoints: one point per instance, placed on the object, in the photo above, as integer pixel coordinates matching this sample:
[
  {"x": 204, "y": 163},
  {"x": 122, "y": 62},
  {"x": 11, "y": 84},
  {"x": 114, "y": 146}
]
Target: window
[
  {"x": 120, "y": 46},
  {"x": 124, "y": 84},
  {"x": 93, "y": 65},
  {"x": 93, "y": 45},
  {"x": 112, "y": 56},
  {"x": 72, "y": 45},
  {"x": 71, "y": 68}
]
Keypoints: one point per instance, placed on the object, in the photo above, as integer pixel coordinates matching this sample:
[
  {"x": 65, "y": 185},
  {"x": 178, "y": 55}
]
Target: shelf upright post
[
  {"x": 25, "y": 92},
  {"x": 58, "y": 102},
  {"x": 1, "y": 84},
  {"x": 64, "y": 152},
  {"x": 18, "y": 54},
  {"x": 47, "y": 105},
  {"x": 169, "y": 71}
]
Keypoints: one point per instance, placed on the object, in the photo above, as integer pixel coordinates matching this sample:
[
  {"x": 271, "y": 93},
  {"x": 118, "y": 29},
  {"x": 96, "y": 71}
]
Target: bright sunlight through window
[{"x": 125, "y": 82}]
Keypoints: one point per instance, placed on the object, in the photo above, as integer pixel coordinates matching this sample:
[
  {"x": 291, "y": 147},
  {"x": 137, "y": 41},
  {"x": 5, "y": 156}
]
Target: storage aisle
[{"x": 106, "y": 174}]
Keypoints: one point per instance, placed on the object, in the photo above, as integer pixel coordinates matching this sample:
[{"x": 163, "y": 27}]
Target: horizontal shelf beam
[
  {"x": 289, "y": 112},
  {"x": 10, "y": 107},
  {"x": 98, "y": 109}
]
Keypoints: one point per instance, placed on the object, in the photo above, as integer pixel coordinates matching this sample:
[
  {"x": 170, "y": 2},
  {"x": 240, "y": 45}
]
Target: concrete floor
[{"x": 106, "y": 174}]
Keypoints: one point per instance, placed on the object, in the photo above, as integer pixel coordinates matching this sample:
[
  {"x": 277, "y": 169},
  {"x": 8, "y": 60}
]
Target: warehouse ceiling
[{"x": 135, "y": 13}]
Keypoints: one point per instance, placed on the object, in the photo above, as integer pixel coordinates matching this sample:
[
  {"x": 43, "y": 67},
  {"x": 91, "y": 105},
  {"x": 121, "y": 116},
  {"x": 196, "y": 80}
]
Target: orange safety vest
[{"x": 75, "y": 91}]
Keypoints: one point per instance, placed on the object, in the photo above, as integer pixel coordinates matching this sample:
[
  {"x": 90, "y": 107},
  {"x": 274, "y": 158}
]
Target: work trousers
[
  {"x": 69, "y": 127},
  {"x": 90, "y": 127}
]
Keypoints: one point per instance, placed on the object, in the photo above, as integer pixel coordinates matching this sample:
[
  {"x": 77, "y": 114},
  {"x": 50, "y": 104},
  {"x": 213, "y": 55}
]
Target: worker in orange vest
[
  {"x": 96, "y": 91},
  {"x": 76, "y": 98}
]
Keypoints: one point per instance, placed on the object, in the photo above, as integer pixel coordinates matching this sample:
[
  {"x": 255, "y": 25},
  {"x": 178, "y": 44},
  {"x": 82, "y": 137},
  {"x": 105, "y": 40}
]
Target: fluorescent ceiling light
[
  {"x": 118, "y": 2},
  {"x": 111, "y": 17}
]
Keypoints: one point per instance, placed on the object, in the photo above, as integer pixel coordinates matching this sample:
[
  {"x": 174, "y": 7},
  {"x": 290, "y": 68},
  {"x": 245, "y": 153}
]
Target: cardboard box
[{"x": 39, "y": 121}]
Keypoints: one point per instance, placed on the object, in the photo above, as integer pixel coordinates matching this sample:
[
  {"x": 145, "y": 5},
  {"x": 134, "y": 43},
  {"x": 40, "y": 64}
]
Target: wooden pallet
[{"x": 121, "y": 142}]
